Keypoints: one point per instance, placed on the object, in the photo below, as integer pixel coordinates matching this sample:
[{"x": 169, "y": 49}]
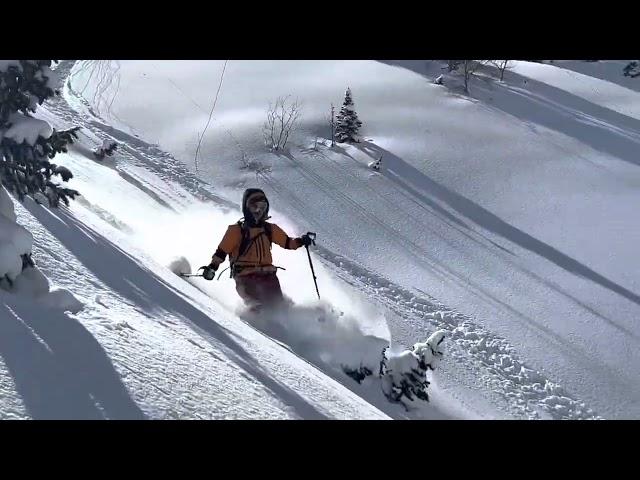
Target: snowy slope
[
  {"x": 608, "y": 70},
  {"x": 514, "y": 207},
  {"x": 141, "y": 347},
  {"x": 144, "y": 343},
  {"x": 596, "y": 87}
]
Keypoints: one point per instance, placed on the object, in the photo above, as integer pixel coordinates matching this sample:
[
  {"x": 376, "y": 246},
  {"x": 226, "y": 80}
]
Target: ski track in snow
[
  {"x": 526, "y": 392},
  {"x": 125, "y": 354},
  {"x": 502, "y": 370},
  {"x": 496, "y": 361}
]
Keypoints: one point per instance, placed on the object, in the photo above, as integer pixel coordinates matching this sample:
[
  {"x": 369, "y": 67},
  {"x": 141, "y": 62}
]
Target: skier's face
[{"x": 257, "y": 206}]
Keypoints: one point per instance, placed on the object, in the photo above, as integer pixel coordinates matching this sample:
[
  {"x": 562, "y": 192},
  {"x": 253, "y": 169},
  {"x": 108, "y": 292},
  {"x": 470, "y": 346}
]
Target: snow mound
[
  {"x": 15, "y": 241},
  {"x": 62, "y": 300},
  {"x": 31, "y": 282}
]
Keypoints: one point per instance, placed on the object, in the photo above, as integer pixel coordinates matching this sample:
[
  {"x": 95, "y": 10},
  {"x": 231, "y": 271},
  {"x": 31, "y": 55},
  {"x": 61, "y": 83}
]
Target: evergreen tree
[
  {"x": 632, "y": 69},
  {"x": 27, "y": 143},
  {"x": 347, "y": 122}
]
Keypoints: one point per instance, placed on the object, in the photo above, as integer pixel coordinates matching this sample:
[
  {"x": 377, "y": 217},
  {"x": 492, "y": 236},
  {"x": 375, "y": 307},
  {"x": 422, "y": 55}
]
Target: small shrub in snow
[
  {"x": 106, "y": 150},
  {"x": 331, "y": 120},
  {"x": 376, "y": 165},
  {"x": 502, "y": 66},
  {"x": 468, "y": 70},
  {"x": 282, "y": 118},
  {"x": 347, "y": 122}
]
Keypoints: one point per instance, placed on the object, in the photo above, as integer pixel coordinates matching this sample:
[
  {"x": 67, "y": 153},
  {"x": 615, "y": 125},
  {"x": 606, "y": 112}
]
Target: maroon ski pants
[{"x": 259, "y": 289}]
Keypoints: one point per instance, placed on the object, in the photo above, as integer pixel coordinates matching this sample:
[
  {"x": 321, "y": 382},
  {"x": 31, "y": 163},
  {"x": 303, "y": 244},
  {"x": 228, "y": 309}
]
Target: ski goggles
[
  {"x": 257, "y": 199},
  {"x": 258, "y": 208}
]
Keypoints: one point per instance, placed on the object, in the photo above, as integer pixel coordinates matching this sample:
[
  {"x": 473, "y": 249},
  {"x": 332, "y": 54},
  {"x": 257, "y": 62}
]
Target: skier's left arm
[{"x": 285, "y": 241}]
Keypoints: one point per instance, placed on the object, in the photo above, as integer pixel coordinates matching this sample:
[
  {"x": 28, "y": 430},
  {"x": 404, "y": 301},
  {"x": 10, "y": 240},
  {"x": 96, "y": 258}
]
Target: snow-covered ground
[
  {"x": 505, "y": 218},
  {"x": 513, "y": 206},
  {"x": 139, "y": 342},
  {"x": 144, "y": 344}
]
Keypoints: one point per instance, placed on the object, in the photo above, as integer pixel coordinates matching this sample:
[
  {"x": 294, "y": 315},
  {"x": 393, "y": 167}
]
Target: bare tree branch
[
  {"x": 281, "y": 121},
  {"x": 332, "y": 125},
  {"x": 501, "y": 65},
  {"x": 470, "y": 68}
]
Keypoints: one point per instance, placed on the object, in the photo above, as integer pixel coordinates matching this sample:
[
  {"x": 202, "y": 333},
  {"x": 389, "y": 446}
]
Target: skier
[{"x": 248, "y": 244}]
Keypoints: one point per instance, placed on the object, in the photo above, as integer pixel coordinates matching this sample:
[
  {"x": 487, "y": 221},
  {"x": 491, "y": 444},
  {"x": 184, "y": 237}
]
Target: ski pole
[
  {"x": 208, "y": 273},
  {"x": 313, "y": 273}
]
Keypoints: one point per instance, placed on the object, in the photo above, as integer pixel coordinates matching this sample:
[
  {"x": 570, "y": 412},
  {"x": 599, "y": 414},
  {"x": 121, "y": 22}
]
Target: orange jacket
[{"x": 258, "y": 255}]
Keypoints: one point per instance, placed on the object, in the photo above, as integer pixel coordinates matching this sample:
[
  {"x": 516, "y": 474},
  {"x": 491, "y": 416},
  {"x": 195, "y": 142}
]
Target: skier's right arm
[{"x": 230, "y": 241}]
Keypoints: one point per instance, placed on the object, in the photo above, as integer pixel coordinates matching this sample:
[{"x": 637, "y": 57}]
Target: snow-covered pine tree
[
  {"x": 632, "y": 69},
  {"x": 347, "y": 122},
  {"x": 404, "y": 374},
  {"x": 27, "y": 143}
]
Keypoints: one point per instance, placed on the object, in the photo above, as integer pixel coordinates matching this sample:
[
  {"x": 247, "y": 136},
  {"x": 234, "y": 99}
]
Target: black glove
[
  {"x": 209, "y": 271},
  {"x": 306, "y": 240}
]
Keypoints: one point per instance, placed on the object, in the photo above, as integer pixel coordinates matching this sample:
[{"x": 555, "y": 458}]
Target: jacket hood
[{"x": 248, "y": 217}]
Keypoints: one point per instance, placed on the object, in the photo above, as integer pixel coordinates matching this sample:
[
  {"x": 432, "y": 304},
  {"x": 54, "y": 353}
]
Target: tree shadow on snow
[
  {"x": 123, "y": 274},
  {"x": 402, "y": 173},
  {"x": 423, "y": 201},
  {"x": 59, "y": 369},
  {"x": 608, "y": 70},
  {"x": 538, "y": 103}
]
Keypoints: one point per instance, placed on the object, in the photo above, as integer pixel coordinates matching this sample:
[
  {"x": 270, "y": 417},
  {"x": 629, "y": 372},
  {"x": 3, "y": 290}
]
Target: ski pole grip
[{"x": 312, "y": 236}]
